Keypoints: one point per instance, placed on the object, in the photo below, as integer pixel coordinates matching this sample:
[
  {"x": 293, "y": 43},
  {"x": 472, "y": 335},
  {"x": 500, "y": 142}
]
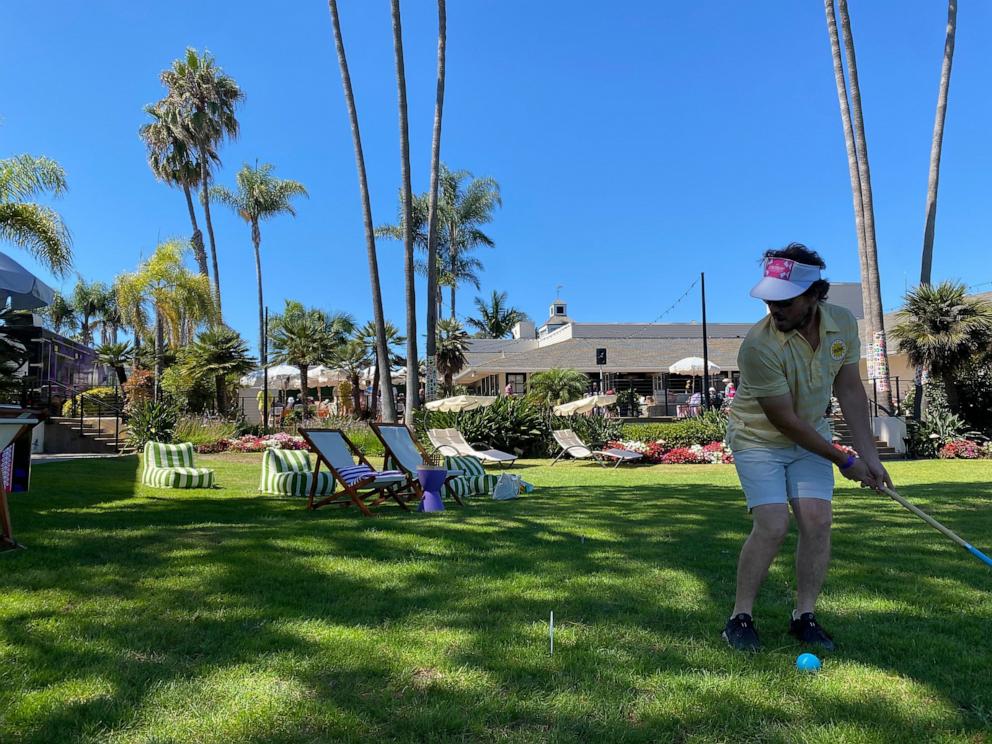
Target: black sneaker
[
  {"x": 741, "y": 634},
  {"x": 807, "y": 630}
]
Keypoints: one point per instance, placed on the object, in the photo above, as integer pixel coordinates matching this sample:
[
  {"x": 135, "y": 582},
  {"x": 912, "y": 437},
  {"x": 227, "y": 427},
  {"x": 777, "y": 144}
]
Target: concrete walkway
[{"x": 43, "y": 459}]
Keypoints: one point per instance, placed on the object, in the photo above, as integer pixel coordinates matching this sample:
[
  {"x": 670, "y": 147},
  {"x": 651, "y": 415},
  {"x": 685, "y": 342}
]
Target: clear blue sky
[{"x": 635, "y": 147}]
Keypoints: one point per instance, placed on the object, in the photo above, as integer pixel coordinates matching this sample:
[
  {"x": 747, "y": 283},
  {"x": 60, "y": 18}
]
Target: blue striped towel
[{"x": 355, "y": 473}]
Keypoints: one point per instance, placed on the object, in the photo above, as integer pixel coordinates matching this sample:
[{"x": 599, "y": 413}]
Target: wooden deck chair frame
[
  {"x": 360, "y": 490},
  {"x": 391, "y": 459}
]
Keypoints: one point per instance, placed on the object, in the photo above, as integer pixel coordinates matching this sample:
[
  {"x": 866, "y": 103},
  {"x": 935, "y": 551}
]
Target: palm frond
[{"x": 40, "y": 231}]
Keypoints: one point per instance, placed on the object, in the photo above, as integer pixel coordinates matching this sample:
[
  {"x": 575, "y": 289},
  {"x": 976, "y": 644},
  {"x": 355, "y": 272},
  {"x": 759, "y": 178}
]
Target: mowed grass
[{"x": 144, "y": 615}]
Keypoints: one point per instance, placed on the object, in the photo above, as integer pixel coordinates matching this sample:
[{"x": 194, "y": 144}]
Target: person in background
[{"x": 508, "y": 390}]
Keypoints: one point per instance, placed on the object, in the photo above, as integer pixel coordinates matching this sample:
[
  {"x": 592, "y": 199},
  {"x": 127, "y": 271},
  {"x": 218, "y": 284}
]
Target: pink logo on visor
[{"x": 779, "y": 268}]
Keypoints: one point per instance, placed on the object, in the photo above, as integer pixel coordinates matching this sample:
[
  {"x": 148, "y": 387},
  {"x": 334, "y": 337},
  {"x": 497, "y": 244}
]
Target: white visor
[{"x": 784, "y": 279}]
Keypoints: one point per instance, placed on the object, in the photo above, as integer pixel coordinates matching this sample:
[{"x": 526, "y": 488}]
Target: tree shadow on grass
[{"x": 434, "y": 626}]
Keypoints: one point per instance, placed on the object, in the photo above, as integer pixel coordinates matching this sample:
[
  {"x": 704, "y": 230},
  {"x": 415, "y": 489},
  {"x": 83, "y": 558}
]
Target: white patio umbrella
[
  {"x": 280, "y": 375},
  {"x": 24, "y": 290},
  {"x": 693, "y": 367},
  {"x": 461, "y": 403},
  {"x": 584, "y": 405}
]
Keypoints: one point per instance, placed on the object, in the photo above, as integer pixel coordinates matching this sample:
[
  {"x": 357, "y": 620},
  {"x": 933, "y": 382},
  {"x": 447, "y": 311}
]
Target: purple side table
[{"x": 432, "y": 481}]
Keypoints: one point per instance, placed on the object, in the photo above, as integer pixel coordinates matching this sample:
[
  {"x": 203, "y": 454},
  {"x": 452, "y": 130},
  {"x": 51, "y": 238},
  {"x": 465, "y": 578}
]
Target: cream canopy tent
[
  {"x": 461, "y": 403},
  {"x": 584, "y": 405}
]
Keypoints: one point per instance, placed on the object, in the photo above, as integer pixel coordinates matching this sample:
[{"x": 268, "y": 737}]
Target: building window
[
  {"x": 559, "y": 309},
  {"x": 488, "y": 385},
  {"x": 518, "y": 382}
]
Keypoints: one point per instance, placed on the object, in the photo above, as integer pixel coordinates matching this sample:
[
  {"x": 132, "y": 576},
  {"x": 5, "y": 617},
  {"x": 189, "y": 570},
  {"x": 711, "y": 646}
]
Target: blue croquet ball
[{"x": 807, "y": 663}]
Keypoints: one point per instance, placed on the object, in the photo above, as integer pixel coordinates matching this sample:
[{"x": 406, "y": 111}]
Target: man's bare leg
[
  {"x": 770, "y": 525},
  {"x": 814, "y": 517}
]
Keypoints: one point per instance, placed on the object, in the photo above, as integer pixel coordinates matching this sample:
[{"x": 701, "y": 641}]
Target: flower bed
[
  {"x": 964, "y": 449},
  {"x": 697, "y": 454},
  {"x": 251, "y": 443}
]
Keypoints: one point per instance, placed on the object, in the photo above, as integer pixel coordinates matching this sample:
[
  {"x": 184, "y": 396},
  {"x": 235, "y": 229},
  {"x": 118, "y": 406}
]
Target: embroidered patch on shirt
[{"x": 838, "y": 350}]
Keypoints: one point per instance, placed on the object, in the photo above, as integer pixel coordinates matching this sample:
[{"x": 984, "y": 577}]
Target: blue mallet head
[{"x": 808, "y": 663}]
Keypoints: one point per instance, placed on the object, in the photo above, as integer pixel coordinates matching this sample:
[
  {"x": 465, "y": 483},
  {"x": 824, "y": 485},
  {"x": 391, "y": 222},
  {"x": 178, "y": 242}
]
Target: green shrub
[
  {"x": 203, "y": 431},
  {"x": 711, "y": 426},
  {"x": 151, "y": 421},
  {"x": 91, "y": 407},
  {"x": 510, "y": 424}
]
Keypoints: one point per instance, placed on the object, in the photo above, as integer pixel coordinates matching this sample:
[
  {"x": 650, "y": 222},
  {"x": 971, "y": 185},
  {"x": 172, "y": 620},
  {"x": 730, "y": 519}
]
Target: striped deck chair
[
  {"x": 358, "y": 481},
  {"x": 289, "y": 473},
  {"x": 171, "y": 466},
  {"x": 405, "y": 453}
]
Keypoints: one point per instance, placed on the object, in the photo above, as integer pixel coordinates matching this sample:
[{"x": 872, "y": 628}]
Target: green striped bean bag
[
  {"x": 289, "y": 473},
  {"x": 171, "y": 466},
  {"x": 474, "y": 482}
]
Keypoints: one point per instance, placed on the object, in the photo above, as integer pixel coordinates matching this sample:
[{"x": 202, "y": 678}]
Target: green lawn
[{"x": 140, "y": 615}]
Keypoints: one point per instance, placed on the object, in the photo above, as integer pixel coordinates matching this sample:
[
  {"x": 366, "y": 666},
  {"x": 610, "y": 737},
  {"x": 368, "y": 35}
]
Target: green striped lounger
[
  {"x": 171, "y": 466},
  {"x": 289, "y": 473}
]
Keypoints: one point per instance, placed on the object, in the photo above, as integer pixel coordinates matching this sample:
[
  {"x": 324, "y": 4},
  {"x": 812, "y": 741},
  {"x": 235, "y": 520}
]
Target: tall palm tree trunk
[
  {"x": 852, "y": 157},
  {"x": 412, "y": 368},
  {"x": 388, "y": 406},
  {"x": 205, "y": 197},
  {"x": 937, "y": 143},
  {"x": 256, "y": 240},
  {"x": 159, "y": 347},
  {"x": 433, "y": 310},
  {"x": 878, "y": 347},
  {"x": 934, "y": 176},
  {"x": 197, "y": 240},
  {"x": 376, "y": 384}
]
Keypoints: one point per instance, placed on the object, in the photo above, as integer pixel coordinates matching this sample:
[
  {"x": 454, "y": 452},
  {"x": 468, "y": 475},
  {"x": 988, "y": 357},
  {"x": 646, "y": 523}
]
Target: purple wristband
[{"x": 851, "y": 459}]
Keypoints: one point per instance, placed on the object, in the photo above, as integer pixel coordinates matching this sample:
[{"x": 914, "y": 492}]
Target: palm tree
[
  {"x": 202, "y": 100},
  {"x": 61, "y": 314},
  {"x": 556, "y": 385},
  {"x": 854, "y": 134},
  {"x": 352, "y": 357},
  {"x": 304, "y": 337},
  {"x": 220, "y": 352},
  {"x": 366, "y": 335},
  {"x": 495, "y": 320},
  {"x": 412, "y": 381},
  {"x": 108, "y": 314},
  {"x": 259, "y": 195},
  {"x": 116, "y": 355},
  {"x": 452, "y": 344},
  {"x": 430, "y": 383},
  {"x": 469, "y": 206},
  {"x": 179, "y": 299},
  {"x": 388, "y": 404},
  {"x": 942, "y": 329},
  {"x": 934, "y": 175},
  {"x": 173, "y": 160},
  {"x": 37, "y": 229},
  {"x": 87, "y": 299}
]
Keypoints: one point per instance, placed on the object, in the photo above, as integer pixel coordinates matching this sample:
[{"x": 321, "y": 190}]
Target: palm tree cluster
[
  {"x": 465, "y": 204},
  {"x": 184, "y": 135},
  {"x": 496, "y": 318}
]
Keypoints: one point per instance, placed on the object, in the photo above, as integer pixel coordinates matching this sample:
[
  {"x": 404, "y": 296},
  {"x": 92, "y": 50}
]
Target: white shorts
[{"x": 776, "y": 475}]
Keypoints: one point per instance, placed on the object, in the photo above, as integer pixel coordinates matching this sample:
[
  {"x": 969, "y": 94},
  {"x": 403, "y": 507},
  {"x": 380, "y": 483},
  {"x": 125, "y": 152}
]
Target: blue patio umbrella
[{"x": 24, "y": 290}]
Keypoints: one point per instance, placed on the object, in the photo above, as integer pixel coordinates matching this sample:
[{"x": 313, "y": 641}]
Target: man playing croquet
[{"x": 789, "y": 363}]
